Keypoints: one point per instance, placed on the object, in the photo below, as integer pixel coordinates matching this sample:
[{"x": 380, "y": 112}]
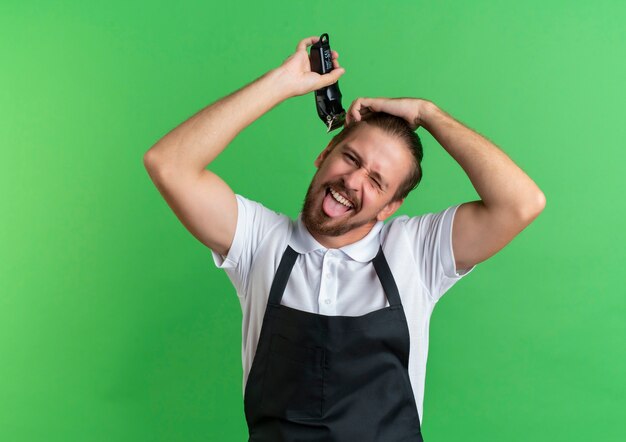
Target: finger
[
  {"x": 306, "y": 42},
  {"x": 334, "y": 57},
  {"x": 370, "y": 105},
  {"x": 350, "y": 113},
  {"x": 331, "y": 77},
  {"x": 367, "y": 106},
  {"x": 355, "y": 109}
]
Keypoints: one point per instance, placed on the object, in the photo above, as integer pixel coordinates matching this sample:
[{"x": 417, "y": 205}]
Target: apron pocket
[{"x": 293, "y": 383}]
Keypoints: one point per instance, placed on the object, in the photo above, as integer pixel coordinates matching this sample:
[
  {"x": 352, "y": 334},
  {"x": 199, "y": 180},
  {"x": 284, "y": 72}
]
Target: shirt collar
[{"x": 363, "y": 250}]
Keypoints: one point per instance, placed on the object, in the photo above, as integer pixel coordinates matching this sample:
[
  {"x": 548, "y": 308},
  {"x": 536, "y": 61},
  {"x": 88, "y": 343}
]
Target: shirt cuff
[{"x": 447, "y": 253}]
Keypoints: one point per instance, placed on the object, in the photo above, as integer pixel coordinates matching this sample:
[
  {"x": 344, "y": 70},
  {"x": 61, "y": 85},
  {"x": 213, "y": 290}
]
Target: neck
[{"x": 336, "y": 242}]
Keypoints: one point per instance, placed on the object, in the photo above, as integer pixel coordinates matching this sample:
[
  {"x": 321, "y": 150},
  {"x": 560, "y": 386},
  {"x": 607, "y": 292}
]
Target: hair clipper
[{"x": 327, "y": 99}]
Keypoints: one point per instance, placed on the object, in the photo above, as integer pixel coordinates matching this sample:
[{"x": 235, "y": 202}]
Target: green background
[{"x": 115, "y": 324}]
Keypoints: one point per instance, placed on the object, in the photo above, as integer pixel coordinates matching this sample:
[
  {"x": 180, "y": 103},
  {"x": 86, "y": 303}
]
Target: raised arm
[
  {"x": 201, "y": 200},
  {"x": 510, "y": 200}
]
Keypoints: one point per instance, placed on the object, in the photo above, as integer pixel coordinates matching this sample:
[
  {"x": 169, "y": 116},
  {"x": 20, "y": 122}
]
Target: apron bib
[{"x": 318, "y": 378}]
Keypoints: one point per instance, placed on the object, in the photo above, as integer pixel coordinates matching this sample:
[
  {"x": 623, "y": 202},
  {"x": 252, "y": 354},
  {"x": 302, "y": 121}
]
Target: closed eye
[
  {"x": 350, "y": 157},
  {"x": 353, "y": 160}
]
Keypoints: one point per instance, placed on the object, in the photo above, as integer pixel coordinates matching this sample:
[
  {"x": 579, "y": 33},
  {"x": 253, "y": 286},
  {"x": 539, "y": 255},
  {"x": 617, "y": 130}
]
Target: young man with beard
[{"x": 336, "y": 304}]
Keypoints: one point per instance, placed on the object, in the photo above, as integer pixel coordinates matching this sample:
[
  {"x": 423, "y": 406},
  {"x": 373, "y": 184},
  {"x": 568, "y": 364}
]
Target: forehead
[{"x": 380, "y": 152}]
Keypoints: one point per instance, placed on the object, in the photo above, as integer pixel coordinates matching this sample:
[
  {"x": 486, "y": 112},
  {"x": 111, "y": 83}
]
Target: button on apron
[{"x": 318, "y": 378}]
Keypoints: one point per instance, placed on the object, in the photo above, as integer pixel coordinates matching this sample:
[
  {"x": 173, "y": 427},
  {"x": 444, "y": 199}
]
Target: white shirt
[{"x": 342, "y": 281}]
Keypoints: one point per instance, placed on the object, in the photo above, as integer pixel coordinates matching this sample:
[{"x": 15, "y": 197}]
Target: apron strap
[
  {"x": 282, "y": 275},
  {"x": 386, "y": 278}
]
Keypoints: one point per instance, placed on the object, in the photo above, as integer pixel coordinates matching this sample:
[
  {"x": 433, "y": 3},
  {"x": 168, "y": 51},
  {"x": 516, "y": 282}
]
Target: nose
[{"x": 354, "y": 180}]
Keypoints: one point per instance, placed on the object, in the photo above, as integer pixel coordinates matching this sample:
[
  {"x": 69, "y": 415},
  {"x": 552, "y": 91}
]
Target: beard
[{"x": 316, "y": 220}]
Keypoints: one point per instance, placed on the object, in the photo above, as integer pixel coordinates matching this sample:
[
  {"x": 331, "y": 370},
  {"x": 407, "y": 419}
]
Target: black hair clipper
[{"x": 327, "y": 99}]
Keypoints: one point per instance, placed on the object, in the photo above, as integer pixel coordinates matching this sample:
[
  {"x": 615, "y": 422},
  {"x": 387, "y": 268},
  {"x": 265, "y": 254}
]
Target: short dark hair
[{"x": 398, "y": 127}]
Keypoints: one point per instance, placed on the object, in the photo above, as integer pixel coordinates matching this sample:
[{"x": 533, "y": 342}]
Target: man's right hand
[
  {"x": 296, "y": 75},
  {"x": 203, "y": 202}
]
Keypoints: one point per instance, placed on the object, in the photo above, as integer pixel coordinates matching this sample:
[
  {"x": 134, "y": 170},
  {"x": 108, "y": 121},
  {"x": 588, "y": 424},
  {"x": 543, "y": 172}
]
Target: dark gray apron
[{"x": 331, "y": 378}]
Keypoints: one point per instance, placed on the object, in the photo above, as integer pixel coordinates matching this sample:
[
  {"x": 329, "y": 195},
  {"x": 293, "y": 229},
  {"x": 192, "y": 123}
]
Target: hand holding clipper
[{"x": 328, "y": 98}]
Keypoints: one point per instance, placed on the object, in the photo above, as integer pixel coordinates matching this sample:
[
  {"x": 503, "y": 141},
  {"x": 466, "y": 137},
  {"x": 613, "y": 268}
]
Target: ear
[
  {"x": 389, "y": 210},
  {"x": 322, "y": 156}
]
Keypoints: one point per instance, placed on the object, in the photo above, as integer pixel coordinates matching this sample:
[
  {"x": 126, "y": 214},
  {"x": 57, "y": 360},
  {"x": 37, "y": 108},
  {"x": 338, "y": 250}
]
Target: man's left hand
[{"x": 411, "y": 109}]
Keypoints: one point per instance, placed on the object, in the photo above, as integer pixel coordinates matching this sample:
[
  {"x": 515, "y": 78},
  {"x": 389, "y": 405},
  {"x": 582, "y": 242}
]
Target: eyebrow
[{"x": 373, "y": 173}]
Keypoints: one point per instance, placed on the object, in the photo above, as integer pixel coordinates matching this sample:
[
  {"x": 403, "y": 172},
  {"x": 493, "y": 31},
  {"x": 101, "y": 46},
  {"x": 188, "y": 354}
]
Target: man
[{"x": 336, "y": 304}]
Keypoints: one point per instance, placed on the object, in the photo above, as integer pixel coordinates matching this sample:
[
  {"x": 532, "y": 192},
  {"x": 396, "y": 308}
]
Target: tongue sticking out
[{"x": 332, "y": 207}]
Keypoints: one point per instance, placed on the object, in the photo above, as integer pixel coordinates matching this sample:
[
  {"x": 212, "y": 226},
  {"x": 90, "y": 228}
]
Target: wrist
[
  {"x": 428, "y": 111},
  {"x": 277, "y": 81}
]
